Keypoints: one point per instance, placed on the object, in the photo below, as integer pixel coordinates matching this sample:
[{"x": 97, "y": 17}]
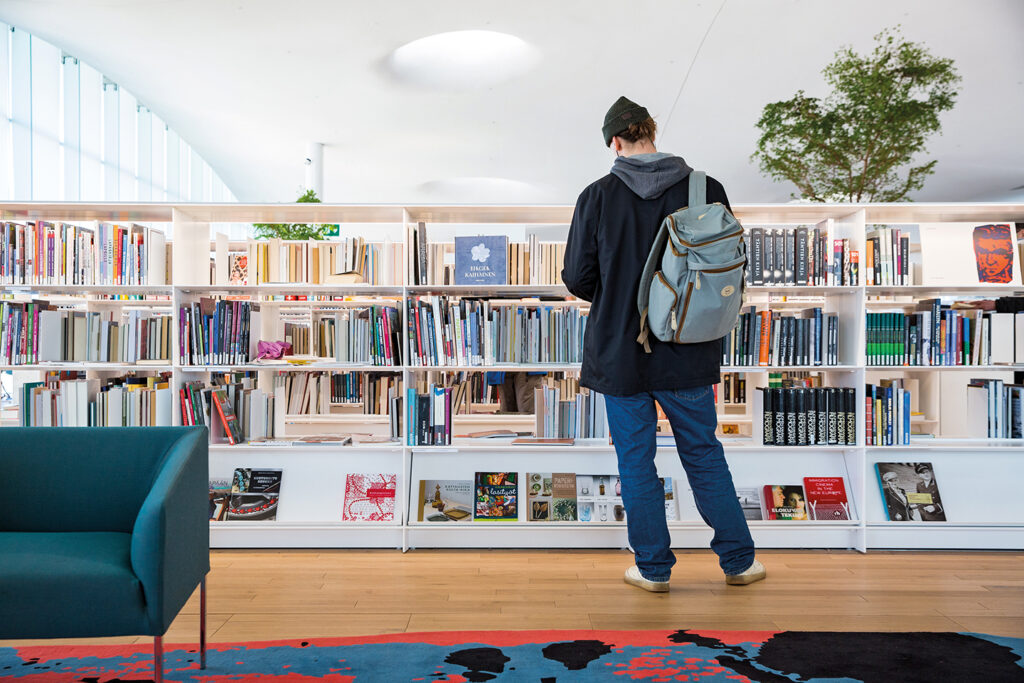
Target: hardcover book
[
  {"x": 910, "y": 492},
  {"x": 497, "y": 496},
  {"x": 551, "y": 497},
  {"x": 369, "y": 497},
  {"x": 785, "y": 502},
  {"x": 826, "y": 498},
  {"x": 254, "y": 495},
  {"x": 481, "y": 260},
  {"x": 445, "y": 500},
  {"x": 671, "y": 505},
  {"x": 220, "y": 498},
  {"x": 750, "y": 501}
]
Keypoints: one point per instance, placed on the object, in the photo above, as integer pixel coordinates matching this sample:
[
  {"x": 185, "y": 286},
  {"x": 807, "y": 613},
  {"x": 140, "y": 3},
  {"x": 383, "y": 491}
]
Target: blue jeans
[{"x": 691, "y": 412}]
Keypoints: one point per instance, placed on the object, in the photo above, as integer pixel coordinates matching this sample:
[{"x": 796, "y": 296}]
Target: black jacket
[{"x": 611, "y": 234}]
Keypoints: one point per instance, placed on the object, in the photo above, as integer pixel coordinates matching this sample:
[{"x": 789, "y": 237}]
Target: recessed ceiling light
[{"x": 463, "y": 59}]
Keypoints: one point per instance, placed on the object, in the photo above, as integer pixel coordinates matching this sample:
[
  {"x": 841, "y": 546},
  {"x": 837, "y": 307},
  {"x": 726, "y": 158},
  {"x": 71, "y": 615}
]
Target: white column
[{"x": 315, "y": 168}]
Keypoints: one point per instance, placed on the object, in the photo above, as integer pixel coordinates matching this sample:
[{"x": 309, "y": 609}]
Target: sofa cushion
[{"x": 68, "y": 585}]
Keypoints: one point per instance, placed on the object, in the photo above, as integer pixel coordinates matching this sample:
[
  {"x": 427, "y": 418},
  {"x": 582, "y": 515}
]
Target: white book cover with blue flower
[{"x": 481, "y": 260}]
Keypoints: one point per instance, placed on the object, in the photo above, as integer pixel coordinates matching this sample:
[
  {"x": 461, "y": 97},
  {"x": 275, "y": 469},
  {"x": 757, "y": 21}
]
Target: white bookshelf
[{"x": 976, "y": 477}]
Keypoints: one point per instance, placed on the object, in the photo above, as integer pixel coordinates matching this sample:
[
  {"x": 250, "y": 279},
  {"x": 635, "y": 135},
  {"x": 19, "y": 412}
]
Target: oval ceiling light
[{"x": 463, "y": 59}]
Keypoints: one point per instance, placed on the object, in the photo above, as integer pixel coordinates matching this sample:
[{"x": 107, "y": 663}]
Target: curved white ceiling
[{"x": 249, "y": 83}]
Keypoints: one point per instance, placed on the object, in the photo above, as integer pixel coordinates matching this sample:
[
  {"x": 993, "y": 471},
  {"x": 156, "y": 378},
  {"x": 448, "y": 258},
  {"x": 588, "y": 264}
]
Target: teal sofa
[{"x": 104, "y": 531}]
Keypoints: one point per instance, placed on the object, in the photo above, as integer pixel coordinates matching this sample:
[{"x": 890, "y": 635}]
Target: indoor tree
[
  {"x": 294, "y": 231},
  {"x": 859, "y": 143}
]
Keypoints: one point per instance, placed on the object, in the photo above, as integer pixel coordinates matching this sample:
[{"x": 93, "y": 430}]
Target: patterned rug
[{"x": 548, "y": 657}]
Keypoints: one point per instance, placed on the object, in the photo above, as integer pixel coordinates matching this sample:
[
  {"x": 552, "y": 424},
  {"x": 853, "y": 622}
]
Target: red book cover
[
  {"x": 227, "y": 415},
  {"x": 826, "y": 498},
  {"x": 369, "y": 498}
]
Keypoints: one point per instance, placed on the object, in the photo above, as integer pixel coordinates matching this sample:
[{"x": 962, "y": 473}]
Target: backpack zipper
[
  {"x": 717, "y": 239},
  {"x": 686, "y": 305}
]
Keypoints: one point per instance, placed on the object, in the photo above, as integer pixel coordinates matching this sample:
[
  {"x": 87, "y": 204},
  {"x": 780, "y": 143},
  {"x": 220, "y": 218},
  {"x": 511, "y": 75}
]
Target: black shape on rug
[
  {"x": 885, "y": 657},
  {"x": 576, "y": 654},
  {"x": 479, "y": 661},
  {"x": 738, "y": 659}
]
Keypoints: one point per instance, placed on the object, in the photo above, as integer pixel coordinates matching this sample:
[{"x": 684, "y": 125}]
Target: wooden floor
[{"x": 260, "y": 595}]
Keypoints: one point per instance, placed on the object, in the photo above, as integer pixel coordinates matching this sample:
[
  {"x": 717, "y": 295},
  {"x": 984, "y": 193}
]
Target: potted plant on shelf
[
  {"x": 858, "y": 143},
  {"x": 295, "y": 231}
]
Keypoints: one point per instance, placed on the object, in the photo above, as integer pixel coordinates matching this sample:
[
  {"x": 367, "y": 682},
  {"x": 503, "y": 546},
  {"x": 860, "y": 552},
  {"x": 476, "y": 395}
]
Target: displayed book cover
[
  {"x": 599, "y": 498},
  {"x": 671, "y": 506},
  {"x": 238, "y": 268},
  {"x": 826, "y": 498},
  {"x": 910, "y": 492},
  {"x": 255, "y": 495},
  {"x": 369, "y": 497},
  {"x": 220, "y": 498},
  {"x": 551, "y": 497},
  {"x": 481, "y": 260},
  {"x": 785, "y": 502},
  {"x": 750, "y": 501},
  {"x": 968, "y": 254},
  {"x": 227, "y": 417},
  {"x": 497, "y": 495},
  {"x": 446, "y": 500}
]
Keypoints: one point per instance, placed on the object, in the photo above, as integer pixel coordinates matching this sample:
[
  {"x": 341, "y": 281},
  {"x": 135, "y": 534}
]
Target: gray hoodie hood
[{"x": 649, "y": 175}]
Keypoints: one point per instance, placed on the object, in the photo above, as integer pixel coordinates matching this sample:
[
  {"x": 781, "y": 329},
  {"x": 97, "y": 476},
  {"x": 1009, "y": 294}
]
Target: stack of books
[
  {"x": 580, "y": 417},
  {"x": 808, "y": 416},
  {"x": 887, "y": 257},
  {"x": 799, "y": 257},
  {"x": 887, "y": 414}
]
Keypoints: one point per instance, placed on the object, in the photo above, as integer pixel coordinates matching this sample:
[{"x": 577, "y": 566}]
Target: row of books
[
  {"x": 216, "y": 331},
  {"x": 580, "y": 416},
  {"x": 350, "y": 260},
  {"x": 365, "y": 335},
  {"x": 42, "y": 253},
  {"x": 808, "y": 416},
  {"x": 373, "y": 390},
  {"x": 887, "y": 413},
  {"x": 773, "y": 339},
  {"x": 234, "y": 407},
  {"x": 484, "y": 260},
  {"x": 909, "y": 492},
  {"x": 817, "y": 498},
  {"x": 37, "y": 332},
  {"x": 887, "y": 257},
  {"x": 800, "y": 256},
  {"x": 995, "y": 409},
  {"x": 429, "y": 415},
  {"x": 941, "y": 335},
  {"x": 445, "y": 331},
  {"x": 550, "y": 497},
  {"x": 734, "y": 388},
  {"x": 68, "y": 399}
]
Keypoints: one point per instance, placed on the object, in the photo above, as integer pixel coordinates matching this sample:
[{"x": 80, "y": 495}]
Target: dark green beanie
[{"x": 621, "y": 116}]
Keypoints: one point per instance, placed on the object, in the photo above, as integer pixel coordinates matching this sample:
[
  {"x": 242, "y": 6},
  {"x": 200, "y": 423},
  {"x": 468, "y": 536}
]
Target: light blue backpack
[{"x": 695, "y": 295}]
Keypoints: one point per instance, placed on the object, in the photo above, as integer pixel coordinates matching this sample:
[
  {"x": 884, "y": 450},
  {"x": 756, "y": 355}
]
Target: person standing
[{"x": 613, "y": 229}]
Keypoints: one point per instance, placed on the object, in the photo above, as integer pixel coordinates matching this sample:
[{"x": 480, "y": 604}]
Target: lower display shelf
[{"x": 305, "y": 535}]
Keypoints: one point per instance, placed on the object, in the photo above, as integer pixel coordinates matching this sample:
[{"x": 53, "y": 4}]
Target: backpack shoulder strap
[
  {"x": 698, "y": 188},
  {"x": 644, "y": 293}
]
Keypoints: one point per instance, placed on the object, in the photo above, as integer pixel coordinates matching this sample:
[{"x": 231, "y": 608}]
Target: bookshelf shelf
[
  {"x": 750, "y": 461},
  {"x": 947, "y": 368},
  {"x": 498, "y": 291}
]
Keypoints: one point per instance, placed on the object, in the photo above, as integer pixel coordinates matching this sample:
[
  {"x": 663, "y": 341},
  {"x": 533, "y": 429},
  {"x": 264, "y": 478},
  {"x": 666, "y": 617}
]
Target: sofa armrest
[{"x": 170, "y": 550}]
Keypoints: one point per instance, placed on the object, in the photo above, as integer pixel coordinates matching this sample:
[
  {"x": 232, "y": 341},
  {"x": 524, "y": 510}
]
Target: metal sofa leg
[
  {"x": 158, "y": 659},
  {"x": 202, "y": 623}
]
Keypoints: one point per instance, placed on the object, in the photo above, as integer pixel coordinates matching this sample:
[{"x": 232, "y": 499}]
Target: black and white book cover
[{"x": 910, "y": 492}]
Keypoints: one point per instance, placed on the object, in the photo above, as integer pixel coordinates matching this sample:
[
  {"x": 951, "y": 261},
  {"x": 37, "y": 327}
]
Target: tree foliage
[
  {"x": 293, "y": 231},
  {"x": 858, "y": 143}
]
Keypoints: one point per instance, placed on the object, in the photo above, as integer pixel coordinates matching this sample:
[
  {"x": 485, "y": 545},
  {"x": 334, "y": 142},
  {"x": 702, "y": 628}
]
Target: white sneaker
[
  {"x": 634, "y": 578},
  {"x": 755, "y": 572}
]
